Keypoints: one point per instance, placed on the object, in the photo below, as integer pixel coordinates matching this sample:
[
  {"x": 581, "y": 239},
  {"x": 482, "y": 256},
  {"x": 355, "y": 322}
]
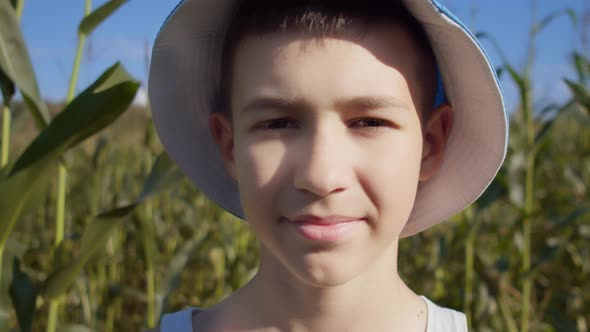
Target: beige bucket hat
[{"x": 185, "y": 73}]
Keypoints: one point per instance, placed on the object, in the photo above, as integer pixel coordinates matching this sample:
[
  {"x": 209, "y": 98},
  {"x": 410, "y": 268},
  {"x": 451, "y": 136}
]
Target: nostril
[{"x": 321, "y": 183}]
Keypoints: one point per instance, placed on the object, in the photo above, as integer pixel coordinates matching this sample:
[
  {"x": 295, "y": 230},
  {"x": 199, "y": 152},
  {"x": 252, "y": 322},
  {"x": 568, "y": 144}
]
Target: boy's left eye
[
  {"x": 274, "y": 124},
  {"x": 373, "y": 124},
  {"x": 370, "y": 122}
]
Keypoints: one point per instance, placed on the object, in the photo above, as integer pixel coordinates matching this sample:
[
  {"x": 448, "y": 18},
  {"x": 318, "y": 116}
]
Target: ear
[
  {"x": 436, "y": 133},
  {"x": 222, "y": 131}
]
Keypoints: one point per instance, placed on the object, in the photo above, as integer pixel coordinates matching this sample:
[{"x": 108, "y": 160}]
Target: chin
[{"x": 320, "y": 271}]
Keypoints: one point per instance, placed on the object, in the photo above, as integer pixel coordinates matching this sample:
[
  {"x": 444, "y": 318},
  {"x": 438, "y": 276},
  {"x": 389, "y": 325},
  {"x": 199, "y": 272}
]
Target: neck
[{"x": 371, "y": 300}]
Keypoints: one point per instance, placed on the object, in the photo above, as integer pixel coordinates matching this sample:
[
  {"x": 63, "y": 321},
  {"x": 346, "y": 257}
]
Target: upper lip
[{"x": 326, "y": 220}]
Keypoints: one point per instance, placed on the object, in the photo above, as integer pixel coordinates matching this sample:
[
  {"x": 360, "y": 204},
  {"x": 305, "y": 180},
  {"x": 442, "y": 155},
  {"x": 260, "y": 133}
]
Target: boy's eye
[
  {"x": 286, "y": 123},
  {"x": 274, "y": 124},
  {"x": 372, "y": 123}
]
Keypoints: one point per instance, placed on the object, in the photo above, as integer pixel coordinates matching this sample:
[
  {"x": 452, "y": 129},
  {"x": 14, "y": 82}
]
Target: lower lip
[{"x": 326, "y": 232}]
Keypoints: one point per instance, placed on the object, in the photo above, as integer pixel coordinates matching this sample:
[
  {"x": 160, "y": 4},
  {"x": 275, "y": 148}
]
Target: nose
[{"x": 323, "y": 165}]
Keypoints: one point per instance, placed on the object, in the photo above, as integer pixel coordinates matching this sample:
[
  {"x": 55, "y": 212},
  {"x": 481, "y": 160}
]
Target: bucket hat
[{"x": 185, "y": 73}]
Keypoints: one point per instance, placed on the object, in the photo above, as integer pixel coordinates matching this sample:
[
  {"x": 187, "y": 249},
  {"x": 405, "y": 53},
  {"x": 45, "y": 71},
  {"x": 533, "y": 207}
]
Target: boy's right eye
[{"x": 280, "y": 123}]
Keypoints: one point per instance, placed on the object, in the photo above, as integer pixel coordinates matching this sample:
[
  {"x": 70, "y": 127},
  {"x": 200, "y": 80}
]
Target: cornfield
[{"x": 99, "y": 231}]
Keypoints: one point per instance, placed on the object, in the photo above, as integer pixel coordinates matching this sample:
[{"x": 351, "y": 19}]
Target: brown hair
[{"x": 314, "y": 18}]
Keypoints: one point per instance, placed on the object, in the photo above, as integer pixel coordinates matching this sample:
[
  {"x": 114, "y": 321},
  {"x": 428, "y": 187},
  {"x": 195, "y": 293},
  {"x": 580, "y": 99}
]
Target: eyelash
[{"x": 380, "y": 123}]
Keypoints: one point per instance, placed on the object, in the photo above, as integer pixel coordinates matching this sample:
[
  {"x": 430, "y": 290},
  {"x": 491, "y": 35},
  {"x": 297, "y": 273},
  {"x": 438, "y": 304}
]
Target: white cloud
[{"x": 141, "y": 98}]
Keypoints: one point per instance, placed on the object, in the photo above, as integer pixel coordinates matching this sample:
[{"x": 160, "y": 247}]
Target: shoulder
[{"x": 442, "y": 319}]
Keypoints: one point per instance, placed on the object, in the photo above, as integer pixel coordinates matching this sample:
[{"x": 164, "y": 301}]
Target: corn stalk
[
  {"x": 6, "y": 115},
  {"x": 6, "y": 121},
  {"x": 6, "y": 126},
  {"x": 62, "y": 176}
]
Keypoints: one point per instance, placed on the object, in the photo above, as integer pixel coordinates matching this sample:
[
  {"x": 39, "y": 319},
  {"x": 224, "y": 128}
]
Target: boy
[{"x": 325, "y": 124}]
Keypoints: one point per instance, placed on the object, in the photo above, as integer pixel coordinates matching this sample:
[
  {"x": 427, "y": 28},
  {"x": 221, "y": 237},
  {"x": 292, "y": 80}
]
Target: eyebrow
[
  {"x": 371, "y": 103},
  {"x": 277, "y": 103},
  {"x": 361, "y": 102}
]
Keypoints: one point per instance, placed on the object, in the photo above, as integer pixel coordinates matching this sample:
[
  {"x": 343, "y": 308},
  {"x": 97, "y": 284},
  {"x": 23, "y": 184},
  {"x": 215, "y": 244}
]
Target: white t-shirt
[
  {"x": 444, "y": 319},
  {"x": 439, "y": 319}
]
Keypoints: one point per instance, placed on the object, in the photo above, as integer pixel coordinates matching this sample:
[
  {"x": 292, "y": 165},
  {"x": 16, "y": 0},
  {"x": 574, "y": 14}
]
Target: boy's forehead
[
  {"x": 383, "y": 39},
  {"x": 374, "y": 48}
]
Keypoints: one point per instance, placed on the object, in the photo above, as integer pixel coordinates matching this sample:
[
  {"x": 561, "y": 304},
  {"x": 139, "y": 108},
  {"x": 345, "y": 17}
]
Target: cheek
[
  {"x": 258, "y": 170},
  {"x": 391, "y": 173}
]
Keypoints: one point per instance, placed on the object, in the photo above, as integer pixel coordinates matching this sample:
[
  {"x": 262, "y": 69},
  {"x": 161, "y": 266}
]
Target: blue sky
[{"x": 50, "y": 27}]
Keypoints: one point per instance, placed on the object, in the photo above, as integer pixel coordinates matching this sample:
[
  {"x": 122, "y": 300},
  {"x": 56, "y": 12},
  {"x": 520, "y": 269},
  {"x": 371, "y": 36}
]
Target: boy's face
[{"x": 329, "y": 127}]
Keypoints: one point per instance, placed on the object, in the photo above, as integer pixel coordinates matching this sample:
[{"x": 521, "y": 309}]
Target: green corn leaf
[
  {"x": 21, "y": 190},
  {"x": 497, "y": 190},
  {"x": 572, "y": 15},
  {"x": 506, "y": 66},
  {"x": 90, "y": 22},
  {"x": 580, "y": 93},
  {"x": 7, "y": 88},
  {"x": 516, "y": 77},
  {"x": 164, "y": 174},
  {"x": 23, "y": 294},
  {"x": 547, "y": 124},
  {"x": 91, "y": 111},
  {"x": 176, "y": 266},
  {"x": 4, "y": 173},
  {"x": 16, "y": 65},
  {"x": 544, "y": 130},
  {"x": 582, "y": 66},
  {"x": 486, "y": 36},
  {"x": 546, "y": 110},
  {"x": 94, "y": 238},
  {"x": 60, "y": 257},
  {"x": 499, "y": 72},
  {"x": 118, "y": 212},
  {"x": 148, "y": 236},
  {"x": 99, "y": 150}
]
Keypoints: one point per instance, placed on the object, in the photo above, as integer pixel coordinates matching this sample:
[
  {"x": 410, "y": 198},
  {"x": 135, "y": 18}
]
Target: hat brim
[{"x": 185, "y": 71}]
